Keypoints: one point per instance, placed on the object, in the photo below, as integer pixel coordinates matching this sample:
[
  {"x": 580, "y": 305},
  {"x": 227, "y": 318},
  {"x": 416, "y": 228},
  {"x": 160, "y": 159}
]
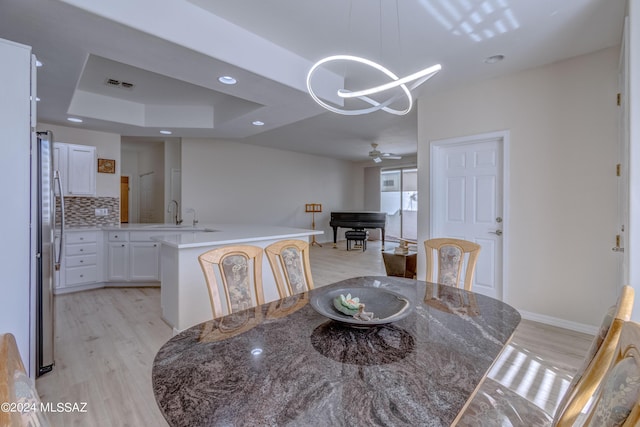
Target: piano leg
[
  {"x": 335, "y": 237},
  {"x": 382, "y": 229}
]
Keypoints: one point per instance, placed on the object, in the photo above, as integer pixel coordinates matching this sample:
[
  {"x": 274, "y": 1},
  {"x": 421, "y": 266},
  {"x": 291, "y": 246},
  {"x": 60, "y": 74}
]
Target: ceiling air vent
[{"x": 118, "y": 83}]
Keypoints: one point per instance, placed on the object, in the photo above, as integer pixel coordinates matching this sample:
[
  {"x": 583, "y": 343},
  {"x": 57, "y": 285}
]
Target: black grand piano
[{"x": 357, "y": 220}]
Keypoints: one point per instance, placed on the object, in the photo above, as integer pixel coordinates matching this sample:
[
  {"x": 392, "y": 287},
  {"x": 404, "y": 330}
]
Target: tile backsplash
[{"x": 81, "y": 211}]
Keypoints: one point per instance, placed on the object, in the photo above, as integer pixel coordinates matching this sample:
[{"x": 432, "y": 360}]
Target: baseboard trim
[
  {"x": 561, "y": 323},
  {"x": 77, "y": 288}
]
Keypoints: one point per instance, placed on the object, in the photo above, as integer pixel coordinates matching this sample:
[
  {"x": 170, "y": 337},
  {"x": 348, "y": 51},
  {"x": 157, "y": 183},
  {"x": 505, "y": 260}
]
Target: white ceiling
[{"x": 172, "y": 51}]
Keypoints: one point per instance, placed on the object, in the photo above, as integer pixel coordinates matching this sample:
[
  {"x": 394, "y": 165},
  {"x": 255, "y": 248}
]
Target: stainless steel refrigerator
[{"x": 49, "y": 241}]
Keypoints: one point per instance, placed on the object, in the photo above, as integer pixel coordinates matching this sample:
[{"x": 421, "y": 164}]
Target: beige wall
[
  {"x": 562, "y": 121},
  {"x": 107, "y": 147},
  {"x": 230, "y": 182}
]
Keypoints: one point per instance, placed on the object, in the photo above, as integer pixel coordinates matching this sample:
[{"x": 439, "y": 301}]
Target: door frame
[{"x": 504, "y": 137}]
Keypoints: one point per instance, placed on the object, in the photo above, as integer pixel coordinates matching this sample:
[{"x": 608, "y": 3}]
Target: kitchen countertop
[
  {"x": 225, "y": 234},
  {"x": 187, "y": 236},
  {"x": 149, "y": 227}
]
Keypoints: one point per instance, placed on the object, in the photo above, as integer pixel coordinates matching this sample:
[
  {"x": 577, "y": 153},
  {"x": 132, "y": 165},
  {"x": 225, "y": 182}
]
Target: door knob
[{"x": 497, "y": 232}]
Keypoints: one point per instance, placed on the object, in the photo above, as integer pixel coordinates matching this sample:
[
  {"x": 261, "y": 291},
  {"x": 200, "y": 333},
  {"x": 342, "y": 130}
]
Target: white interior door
[
  {"x": 147, "y": 199},
  {"x": 467, "y": 186}
]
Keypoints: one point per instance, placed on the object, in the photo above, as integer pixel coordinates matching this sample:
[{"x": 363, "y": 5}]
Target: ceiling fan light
[{"x": 377, "y": 159}]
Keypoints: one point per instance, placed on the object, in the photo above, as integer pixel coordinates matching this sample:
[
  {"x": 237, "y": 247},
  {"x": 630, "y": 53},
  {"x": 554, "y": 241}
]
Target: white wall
[
  {"x": 562, "y": 120},
  {"x": 633, "y": 246},
  {"x": 17, "y": 315},
  {"x": 107, "y": 147},
  {"x": 230, "y": 182}
]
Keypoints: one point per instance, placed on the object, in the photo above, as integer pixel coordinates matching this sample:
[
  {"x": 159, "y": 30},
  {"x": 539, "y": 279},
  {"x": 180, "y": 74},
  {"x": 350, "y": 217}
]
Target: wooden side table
[{"x": 400, "y": 265}]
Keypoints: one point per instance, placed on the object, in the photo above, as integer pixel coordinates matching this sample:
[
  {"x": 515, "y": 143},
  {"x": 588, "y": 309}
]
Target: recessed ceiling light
[
  {"x": 493, "y": 59},
  {"x": 74, "y": 119},
  {"x": 227, "y": 80},
  {"x": 38, "y": 63},
  {"x": 257, "y": 123},
  {"x": 166, "y": 132}
]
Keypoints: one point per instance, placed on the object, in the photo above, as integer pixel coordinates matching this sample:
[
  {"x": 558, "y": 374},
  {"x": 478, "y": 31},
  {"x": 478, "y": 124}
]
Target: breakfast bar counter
[
  {"x": 184, "y": 295},
  {"x": 286, "y": 364}
]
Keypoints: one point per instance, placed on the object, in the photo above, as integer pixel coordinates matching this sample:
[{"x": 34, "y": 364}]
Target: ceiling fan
[{"x": 378, "y": 156}]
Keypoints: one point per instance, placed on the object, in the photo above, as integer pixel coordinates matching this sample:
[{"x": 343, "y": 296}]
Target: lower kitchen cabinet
[
  {"x": 144, "y": 260},
  {"x": 96, "y": 258},
  {"x": 81, "y": 263},
  {"x": 132, "y": 257},
  {"x": 118, "y": 261}
]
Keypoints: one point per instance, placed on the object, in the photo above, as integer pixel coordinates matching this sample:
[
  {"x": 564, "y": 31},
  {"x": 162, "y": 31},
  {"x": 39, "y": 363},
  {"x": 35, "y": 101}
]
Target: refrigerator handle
[{"x": 58, "y": 258}]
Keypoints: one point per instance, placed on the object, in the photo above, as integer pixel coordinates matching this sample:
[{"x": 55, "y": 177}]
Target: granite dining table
[{"x": 286, "y": 364}]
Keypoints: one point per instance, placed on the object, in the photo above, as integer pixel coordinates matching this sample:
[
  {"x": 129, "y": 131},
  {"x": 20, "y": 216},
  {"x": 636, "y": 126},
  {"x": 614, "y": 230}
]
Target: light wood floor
[{"x": 106, "y": 341}]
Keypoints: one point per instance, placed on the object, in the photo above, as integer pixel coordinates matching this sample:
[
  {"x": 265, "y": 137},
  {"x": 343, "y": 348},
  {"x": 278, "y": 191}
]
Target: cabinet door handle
[
  {"x": 81, "y": 261},
  {"x": 81, "y": 250},
  {"x": 123, "y": 245}
]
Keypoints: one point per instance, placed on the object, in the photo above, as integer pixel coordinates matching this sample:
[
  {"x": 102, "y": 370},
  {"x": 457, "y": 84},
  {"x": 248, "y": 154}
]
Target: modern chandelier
[
  {"x": 396, "y": 82},
  {"x": 399, "y": 84}
]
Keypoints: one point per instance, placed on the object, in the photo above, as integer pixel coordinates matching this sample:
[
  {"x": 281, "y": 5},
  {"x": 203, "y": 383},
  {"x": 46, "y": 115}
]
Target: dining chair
[
  {"x": 450, "y": 259},
  {"x": 289, "y": 260},
  {"x": 230, "y": 266},
  {"x": 495, "y": 404},
  {"x": 617, "y": 401}
]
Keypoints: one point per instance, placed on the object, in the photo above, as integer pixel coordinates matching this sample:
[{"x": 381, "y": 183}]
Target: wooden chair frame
[
  {"x": 274, "y": 255},
  {"x": 216, "y": 257},
  {"x": 596, "y": 370},
  {"x": 10, "y": 363},
  {"x": 433, "y": 246},
  {"x": 628, "y": 346}
]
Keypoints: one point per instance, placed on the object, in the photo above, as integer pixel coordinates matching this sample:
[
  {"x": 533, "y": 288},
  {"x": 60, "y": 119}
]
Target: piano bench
[{"x": 357, "y": 236}]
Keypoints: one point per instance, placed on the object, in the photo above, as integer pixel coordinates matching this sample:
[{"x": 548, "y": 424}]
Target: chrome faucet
[
  {"x": 177, "y": 211},
  {"x": 195, "y": 219}
]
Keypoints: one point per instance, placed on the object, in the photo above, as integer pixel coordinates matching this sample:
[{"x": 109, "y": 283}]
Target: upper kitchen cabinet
[{"x": 77, "y": 166}]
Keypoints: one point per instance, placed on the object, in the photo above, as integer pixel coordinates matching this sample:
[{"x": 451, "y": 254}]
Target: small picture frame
[{"x": 106, "y": 166}]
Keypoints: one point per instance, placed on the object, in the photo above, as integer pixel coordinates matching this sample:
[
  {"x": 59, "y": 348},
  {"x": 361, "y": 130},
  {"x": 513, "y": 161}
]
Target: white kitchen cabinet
[
  {"x": 81, "y": 266},
  {"x": 118, "y": 262},
  {"x": 132, "y": 257},
  {"x": 117, "y": 256},
  {"x": 144, "y": 261},
  {"x": 77, "y": 165}
]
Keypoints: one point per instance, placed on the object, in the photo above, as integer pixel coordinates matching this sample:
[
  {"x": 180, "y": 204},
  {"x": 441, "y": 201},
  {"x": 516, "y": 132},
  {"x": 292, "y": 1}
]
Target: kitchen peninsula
[{"x": 184, "y": 294}]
